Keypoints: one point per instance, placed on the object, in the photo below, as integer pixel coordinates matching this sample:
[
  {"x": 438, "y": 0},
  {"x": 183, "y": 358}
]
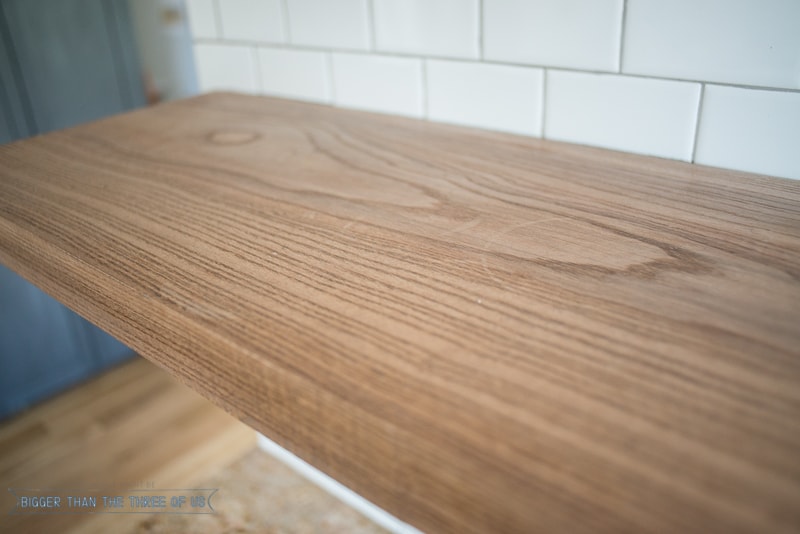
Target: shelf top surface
[{"x": 477, "y": 331}]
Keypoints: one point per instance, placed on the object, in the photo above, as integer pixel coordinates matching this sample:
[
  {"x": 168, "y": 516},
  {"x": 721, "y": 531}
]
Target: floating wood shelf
[{"x": 476, "y": 331}]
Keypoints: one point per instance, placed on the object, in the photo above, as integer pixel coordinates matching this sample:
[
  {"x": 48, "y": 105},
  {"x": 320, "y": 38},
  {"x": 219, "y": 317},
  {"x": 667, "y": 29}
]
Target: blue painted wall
[{"x": 62, "y": 62}]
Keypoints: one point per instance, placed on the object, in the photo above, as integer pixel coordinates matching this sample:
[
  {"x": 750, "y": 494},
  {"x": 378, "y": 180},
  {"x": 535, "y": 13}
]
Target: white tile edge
[{"x": 341, "y": 492}]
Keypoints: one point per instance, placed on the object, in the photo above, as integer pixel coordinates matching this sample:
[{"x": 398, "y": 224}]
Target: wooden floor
[{"x": 132, "y": 427}]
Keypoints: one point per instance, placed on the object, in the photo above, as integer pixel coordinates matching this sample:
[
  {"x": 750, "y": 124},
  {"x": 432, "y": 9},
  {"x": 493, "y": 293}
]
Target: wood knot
[
  {"x": 582, "y": 247},
  {"x": 232, "y": 137}
]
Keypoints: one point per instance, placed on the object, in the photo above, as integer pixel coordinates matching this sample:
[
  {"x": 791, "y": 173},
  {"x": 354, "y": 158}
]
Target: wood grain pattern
[{"x": 479, "y": 332}]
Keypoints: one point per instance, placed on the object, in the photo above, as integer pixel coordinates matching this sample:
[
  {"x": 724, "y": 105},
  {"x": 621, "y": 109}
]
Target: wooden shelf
[{"x": 476, "y": 331}]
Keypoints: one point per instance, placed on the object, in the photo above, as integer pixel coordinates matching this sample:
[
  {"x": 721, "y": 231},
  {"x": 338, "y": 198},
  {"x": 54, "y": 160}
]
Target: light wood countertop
[{"x": 476, "y": 331}]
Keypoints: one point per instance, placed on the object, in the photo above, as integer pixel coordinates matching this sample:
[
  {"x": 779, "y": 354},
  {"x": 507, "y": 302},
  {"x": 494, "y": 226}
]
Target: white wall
[
  {"x": 165, "y": 46},
  {"x": 716, "y": 82}
]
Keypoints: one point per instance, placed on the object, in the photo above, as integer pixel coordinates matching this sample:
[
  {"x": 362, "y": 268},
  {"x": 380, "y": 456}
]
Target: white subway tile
[
  {"x": 580, "y": 34},
  {"x": 432, "y": 27},
  {"x": 378, "y": 83},
  {"x": 498, "y": 97},
  {"x": 750, "y": 130},
  {"x": 202, "y": 18},
  {"x": 329, "y": 23},
  {"x": 654, "y": 117},
  {"x": 299, "y": 74},
  {"x": 751, "y": 42},
  {"x": 252, "y": 20},
  {"x": 225, "y": 67}
]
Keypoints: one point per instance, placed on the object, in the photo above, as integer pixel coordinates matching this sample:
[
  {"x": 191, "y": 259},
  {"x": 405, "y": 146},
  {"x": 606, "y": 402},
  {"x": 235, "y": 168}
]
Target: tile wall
[{"x": 715, "y": 82}]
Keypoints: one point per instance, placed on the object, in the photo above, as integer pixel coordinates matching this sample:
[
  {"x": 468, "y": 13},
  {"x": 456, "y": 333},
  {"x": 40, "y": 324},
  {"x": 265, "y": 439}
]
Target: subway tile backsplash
[
  {"x": 374, "y": 82},
  {"x": 226, "y": 67},
  {"x": 446, "y": 28},
  {"x": 497, "y": 97},
  {"x": 578, "y": 34},
  {"x": 716, "y": 82},
  {"x": 646, "y": 116},
  {"x": 750, "y": 130},
  {"x": 298, "y": 74},
  {"x": 252, "y": 20},
  {"x": 748, "y": 42},
  {"x": 329, "y": 23}
]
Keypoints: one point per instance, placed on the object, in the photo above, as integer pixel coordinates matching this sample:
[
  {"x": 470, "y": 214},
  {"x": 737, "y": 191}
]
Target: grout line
[
  {"x": 371, "y": 24},
  {"x": 543, "y": 101},
  {"x": 287, "y": 29},
  {"x": 697, "y": 121},
  {"x": 217, "y": 18},
  {"x": 234, "y": 42},
  {"x": 622, "y": 27}
]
